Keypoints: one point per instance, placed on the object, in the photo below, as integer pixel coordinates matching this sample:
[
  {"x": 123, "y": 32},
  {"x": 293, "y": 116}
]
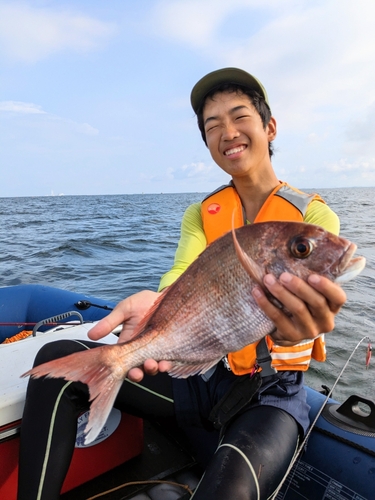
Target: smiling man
[{"x": 254, "y": 396}]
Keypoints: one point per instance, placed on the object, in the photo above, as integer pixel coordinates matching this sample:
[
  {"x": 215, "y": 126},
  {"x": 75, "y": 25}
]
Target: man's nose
[{"x": 230, "y": 132}]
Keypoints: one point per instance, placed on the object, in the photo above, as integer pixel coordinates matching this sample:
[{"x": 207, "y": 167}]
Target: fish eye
[{"x": 301, "y": 247}]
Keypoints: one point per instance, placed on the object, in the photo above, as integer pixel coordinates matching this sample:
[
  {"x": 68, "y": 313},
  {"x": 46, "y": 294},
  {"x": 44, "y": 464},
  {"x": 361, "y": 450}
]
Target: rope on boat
[
  {"x": 312, "y": 425},
  {"x": 133, "y": 483}
]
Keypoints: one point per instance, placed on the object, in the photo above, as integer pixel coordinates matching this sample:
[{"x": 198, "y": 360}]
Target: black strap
[
  {"x": 235, "y": 399},
  {"x": 243, "y": 389},
  {"x": 264, "y": 359}
]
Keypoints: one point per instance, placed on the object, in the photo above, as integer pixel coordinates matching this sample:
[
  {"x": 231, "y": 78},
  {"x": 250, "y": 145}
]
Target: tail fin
[{"x": 90, "y": 368}]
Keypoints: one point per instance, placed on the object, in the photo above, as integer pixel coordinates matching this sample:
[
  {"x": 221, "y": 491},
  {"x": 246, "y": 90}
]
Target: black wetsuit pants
[{"x": 249, "y": 463}]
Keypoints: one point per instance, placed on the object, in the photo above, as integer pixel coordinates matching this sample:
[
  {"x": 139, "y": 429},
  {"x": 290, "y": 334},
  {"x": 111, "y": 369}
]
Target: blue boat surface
[
  {"x": 337, "y": 462},
  {"x": 21, "y": 305}
]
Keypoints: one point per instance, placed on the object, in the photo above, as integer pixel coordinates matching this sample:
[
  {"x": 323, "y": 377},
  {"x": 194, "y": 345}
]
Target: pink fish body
[{"x": 209, "y": 311}]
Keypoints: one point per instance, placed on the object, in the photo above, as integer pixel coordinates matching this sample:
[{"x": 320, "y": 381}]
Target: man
[{"x": 259, "y": 441}]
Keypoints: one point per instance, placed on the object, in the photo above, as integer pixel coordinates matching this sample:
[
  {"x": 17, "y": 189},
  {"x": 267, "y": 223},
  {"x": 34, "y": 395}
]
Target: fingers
[
  {"x": 287, "y": 328},
  {"x": 129, "y": 311},
  {"x": 135, "y": 375},
  {"x": 334, "y": 294},
  {"x": 106, "y": 325},
  {"x": 312, "y": 306},
  {"x": 150, "y": 367}
]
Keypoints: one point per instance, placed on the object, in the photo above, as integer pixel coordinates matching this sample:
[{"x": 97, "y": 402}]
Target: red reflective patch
[{"x": 214, "y": 208}]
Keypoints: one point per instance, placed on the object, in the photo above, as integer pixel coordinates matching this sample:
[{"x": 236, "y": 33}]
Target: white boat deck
[{"x": 18, "y": 357}]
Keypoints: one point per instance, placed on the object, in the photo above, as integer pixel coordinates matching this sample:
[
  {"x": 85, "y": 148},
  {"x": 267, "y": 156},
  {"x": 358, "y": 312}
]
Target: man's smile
[{"x": 235, "y": 150}]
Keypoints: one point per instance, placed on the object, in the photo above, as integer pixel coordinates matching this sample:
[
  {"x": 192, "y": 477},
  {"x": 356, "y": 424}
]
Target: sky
[{"x": 95, "y": 95}]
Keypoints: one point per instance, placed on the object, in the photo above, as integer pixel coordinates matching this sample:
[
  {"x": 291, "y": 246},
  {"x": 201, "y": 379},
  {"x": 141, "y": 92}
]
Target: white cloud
[
  {"x": 191, "y": 173},
  {"x": 362, "y": 167},
  {"x": 21, "y": 107},
  {"x": 30, "y": 34},
  {"x": 317, "y": 62},
  {"x": 313, "y": 57},
  {"x": 360, "y": 135},
  {"x": 87, "y": 129},
  {"x": 198, "y": 23}
]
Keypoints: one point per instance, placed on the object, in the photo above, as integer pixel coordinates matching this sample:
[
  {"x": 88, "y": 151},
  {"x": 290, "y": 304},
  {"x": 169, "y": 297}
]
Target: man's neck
[{"x": 254, "y": 194}]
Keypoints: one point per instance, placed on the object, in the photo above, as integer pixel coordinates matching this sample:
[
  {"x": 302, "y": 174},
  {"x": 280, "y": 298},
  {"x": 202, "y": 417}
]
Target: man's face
[{"x": 235, "y": 135}]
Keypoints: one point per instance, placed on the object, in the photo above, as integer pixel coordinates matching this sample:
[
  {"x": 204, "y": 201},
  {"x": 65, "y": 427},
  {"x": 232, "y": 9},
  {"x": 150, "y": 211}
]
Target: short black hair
[{"x": 255, "y": 98}]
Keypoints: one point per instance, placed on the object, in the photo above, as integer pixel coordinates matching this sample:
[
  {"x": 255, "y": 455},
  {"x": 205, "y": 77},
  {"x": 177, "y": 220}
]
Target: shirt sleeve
[
  {"x": 191, "y": 244},
  {"x": 320, "y": 214}
]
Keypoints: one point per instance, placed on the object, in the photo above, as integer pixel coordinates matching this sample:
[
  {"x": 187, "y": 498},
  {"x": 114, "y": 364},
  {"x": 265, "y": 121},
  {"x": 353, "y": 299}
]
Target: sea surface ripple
[{"x": 113, "y": 246}]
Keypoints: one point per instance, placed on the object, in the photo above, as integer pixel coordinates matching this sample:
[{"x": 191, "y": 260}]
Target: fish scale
[{"x": 209, "y": 311}]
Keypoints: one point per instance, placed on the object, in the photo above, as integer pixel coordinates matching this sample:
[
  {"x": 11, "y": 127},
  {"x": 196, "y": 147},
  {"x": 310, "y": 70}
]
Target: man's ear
[{"x": 272, "y": 129}]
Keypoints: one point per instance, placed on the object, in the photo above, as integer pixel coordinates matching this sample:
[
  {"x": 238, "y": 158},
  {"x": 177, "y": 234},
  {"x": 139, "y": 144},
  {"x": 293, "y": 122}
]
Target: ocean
[{"x": 115, "y": 245}]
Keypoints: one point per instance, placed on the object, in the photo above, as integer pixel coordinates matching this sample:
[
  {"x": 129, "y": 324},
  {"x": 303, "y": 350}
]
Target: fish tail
[{"x": 92, "y": 367}]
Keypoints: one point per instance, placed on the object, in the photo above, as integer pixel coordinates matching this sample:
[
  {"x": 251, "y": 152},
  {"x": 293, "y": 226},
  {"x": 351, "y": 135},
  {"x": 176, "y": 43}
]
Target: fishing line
[{"x": 304, "y": 442}]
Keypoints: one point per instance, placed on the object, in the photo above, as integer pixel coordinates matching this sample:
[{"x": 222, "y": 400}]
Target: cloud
[
  {"x": 360, "y": 135},
  {"x": 205, "y": 19},
  {"x": 199, "y": 170},
  {"x": 190, "y": 173},
  {"x": 361, "y": 171},
  {"x": 312, "y": 57},
  {"x": 362, "y": 167},
  {"x": 86, "y": 129},
  {"x": 21, "y": 107},
  {"x": 29, "y": 34}
]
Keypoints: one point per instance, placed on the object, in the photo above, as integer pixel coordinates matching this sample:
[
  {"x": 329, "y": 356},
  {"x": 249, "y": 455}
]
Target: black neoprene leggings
[{"x": 249, "y": 463}]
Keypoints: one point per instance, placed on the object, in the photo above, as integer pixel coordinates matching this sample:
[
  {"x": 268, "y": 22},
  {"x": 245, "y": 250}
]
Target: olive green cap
[{"x": 225, "y": 75}]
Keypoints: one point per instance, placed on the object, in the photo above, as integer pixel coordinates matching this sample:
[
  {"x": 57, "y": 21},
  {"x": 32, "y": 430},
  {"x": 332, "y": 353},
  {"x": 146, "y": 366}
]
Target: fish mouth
[{"x": 349, "y": 267}]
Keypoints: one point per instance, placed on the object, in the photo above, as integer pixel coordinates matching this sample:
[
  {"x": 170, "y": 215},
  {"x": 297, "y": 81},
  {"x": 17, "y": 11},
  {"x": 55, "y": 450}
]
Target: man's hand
[
  {"x": 313, "y": 306},
  {"x": 129, "y": 312}
]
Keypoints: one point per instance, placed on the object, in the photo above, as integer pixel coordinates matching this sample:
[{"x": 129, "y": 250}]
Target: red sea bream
[{"x": 209, "y": 311}]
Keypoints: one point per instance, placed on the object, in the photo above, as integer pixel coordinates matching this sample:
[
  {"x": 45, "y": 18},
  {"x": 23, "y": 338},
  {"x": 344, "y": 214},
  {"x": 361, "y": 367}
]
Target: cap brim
[{"x": 221, "y": 76}]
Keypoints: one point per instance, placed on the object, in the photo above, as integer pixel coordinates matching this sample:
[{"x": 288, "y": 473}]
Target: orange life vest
[{"x": 284, "y": 203}]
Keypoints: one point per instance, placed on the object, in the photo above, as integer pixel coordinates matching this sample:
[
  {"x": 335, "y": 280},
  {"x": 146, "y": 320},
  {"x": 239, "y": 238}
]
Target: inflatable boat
[{"x": 337, "y": 462}]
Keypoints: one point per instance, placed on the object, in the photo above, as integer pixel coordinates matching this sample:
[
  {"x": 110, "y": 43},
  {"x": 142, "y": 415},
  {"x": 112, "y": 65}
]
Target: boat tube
[
  {"x": 22, "y": 305},
  {"x": 337, "y": 463}
]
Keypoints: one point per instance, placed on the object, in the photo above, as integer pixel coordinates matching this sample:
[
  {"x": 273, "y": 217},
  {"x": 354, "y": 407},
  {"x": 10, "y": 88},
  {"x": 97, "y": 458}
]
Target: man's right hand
[{"x": 129, "y": 312}]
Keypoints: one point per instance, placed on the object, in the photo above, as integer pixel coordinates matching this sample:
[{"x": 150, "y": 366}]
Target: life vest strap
[{"x": 264, "y": 359}]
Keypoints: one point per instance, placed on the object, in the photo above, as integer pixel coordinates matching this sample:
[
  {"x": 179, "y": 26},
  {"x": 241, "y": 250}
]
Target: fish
[{"x": 209, "y": 310}]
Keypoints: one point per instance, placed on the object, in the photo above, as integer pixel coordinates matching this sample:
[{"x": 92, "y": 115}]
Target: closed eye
[{"x": 211, "y": 128}]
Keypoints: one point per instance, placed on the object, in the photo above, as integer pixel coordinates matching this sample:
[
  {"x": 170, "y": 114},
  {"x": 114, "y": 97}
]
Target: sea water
[{"x": 113, "y": 246}]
